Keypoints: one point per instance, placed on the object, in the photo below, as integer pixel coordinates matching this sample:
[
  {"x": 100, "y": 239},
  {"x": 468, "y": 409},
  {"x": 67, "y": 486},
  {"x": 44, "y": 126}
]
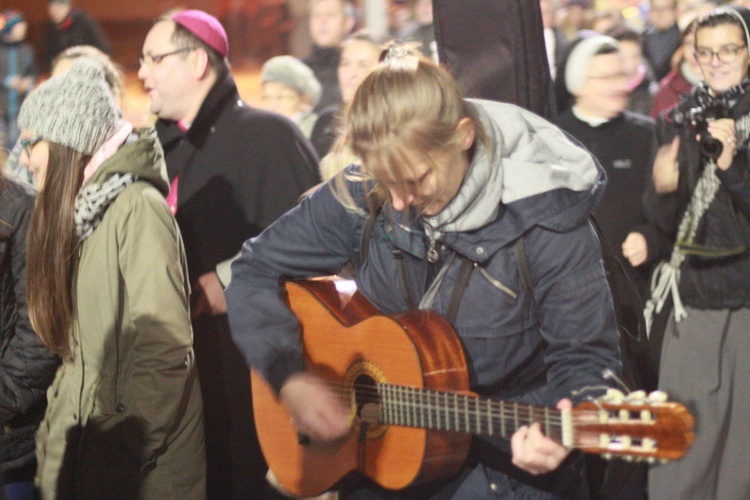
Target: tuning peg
[
  {"x": 628, "y": 458},
  {"x": 663, "y": 460},
  {"x": 614, "y": 396},
  {"x": 658, "y": 397},
  {"x": 636, "y": 397},
  {"x": 607, "y": 456},
  {"x": 651, "y": 460}
]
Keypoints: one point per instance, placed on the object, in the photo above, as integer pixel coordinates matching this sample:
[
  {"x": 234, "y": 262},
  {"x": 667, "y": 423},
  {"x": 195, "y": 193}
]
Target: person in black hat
[{"x": 68, "y": 27}]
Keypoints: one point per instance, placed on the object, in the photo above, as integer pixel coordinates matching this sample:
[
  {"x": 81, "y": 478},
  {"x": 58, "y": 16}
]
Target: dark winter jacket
[
  {"x": 325, "y": 64},
  {"x": 76, "y": 29},
  {"x": 549, "y": 188},
  {"x": 710, "y": 282},
  {"x": 625, "y": 147},
  {"x": 239, "y": 169},
  {"x": 659, "y": 46},
  {"x": 26, "y": 366}
]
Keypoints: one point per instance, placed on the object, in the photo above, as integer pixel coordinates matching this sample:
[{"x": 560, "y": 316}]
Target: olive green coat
[{"x": 125, "y": 415}]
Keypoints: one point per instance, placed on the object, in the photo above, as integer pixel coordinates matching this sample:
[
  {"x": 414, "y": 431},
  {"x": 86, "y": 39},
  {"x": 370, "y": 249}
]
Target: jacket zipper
[{"x": 495, "y": 282}]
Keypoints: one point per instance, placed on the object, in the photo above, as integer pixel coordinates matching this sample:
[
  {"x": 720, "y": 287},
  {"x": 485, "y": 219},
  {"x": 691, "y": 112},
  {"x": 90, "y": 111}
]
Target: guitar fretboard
[{"x": 444, "y": 411}]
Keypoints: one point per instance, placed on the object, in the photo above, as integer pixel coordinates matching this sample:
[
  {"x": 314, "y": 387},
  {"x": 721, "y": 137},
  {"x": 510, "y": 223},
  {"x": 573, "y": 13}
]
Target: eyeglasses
[
  {"x": 28, "y": 145},
  {"x": 148, "y": 60},
  {"x": 726, "y": 54}
]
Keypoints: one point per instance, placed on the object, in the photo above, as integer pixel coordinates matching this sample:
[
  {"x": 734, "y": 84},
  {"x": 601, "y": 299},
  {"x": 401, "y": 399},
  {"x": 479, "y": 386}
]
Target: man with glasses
[{"x": 233, "y": 170}]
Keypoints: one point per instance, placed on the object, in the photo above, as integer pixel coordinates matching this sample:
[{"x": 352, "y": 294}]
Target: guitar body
[{"x": 350, "y": 344}]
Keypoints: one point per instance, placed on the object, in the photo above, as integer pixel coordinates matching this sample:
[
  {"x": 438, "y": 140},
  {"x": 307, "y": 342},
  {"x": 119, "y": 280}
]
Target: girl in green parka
[{"x": 109, "y": 294}]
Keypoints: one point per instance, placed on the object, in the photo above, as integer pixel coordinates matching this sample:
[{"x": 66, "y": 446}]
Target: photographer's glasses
[{"x": 726, "y": 54}]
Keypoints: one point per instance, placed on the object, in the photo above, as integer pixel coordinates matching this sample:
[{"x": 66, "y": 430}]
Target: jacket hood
[
  {"x": 142, "y": 156},
  {"x": 548, "y": 177},
  {"x": 548, "y": 180}
]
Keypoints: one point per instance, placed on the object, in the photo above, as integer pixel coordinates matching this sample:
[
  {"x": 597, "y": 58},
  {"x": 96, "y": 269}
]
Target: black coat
[
  {"x": 325, "y": 64},
  {"x": 76, "y": 29},
  {"x": 239, "y": 169},
  {"x": 26, "y": 366},
  {"x": 625, "y": 147}
]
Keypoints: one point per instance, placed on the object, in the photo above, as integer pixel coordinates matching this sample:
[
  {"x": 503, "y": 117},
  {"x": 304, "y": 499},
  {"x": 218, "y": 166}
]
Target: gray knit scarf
[
  {"x": 666, "y": 277},
  {"x": 94, "y": 199}
]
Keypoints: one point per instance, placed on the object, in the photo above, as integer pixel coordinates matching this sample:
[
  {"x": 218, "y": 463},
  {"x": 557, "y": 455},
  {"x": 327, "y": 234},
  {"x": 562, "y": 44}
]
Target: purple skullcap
[{"x": 206, "y": 27}]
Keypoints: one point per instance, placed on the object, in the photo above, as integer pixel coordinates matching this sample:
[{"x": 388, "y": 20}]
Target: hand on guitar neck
[
  {"x": 320, "y": 415},
  {"x": 317, "y": 412},
  {"x": 536, "y": 453}
]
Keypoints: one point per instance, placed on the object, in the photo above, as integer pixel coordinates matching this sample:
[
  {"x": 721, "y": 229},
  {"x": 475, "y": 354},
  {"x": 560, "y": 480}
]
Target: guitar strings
[
  {"x": 369, "y": 393},
  {"x": 423, "y": 399}
]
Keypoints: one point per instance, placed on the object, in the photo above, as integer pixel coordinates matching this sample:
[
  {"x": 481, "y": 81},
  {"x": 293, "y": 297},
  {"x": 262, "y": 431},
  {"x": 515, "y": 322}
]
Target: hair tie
[{"x": 400, "y": 58}]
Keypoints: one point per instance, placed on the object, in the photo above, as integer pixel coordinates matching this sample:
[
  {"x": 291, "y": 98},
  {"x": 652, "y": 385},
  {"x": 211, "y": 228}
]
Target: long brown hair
[{"x": 52, "y": 249}]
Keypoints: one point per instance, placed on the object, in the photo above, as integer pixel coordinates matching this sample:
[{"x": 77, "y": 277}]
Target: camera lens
[{"x": 711, "y": 147}]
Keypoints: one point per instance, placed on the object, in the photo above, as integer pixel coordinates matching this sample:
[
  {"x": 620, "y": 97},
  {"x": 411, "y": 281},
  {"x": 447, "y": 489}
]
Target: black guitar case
[{"x": 495, "y": 50}]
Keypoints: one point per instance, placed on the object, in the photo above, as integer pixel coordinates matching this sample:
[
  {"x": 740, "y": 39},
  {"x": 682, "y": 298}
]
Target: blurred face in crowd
[
  {"x": 632, "y": 57},
  {"x": 722, "y": 54},
  {"x": 17, "y": 33},
  {"x": 58, "y": 11},
  {"x": 398, "y": 15},
  {"x": 548, "y": 13},
  {"x": 283, "y": 99},
  {"x": 575, "y": 15},
  {"x": 423, "y": 12},
  {"x": 662, "y": 14},
  {"x": 358, "y": 57},
  {"x": 167, "y": 79},
  {"x": 604, "y": 93},
  {"x": 34, "y": 156},
  {"x": 329, "y": 23}
]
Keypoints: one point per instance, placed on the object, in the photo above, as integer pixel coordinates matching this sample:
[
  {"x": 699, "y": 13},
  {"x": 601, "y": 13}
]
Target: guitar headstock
[{"x": 636, "y": 426}]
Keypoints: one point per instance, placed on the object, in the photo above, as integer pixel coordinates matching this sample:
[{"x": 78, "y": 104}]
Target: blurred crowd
[{"x": 625, "y": 84}]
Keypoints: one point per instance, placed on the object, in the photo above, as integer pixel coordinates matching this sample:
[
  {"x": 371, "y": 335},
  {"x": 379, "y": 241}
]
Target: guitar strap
[{"x": 458, "y": 289}]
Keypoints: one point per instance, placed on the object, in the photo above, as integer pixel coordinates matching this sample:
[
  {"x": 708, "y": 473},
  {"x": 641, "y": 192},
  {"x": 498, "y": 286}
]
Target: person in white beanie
[{"x": 110, "y": 297}]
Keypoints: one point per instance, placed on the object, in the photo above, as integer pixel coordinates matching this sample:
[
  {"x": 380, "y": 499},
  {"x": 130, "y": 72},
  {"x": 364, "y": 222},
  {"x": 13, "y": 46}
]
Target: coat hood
[
  {"x": 547, "y": 179},
  {"x": 142, "y": 156}
]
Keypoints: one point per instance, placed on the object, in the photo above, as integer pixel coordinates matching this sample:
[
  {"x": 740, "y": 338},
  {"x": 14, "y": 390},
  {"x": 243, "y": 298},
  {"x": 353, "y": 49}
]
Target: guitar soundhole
[
  {"x": 362, "y": 383},
  {"x": 367, "y": 399}
]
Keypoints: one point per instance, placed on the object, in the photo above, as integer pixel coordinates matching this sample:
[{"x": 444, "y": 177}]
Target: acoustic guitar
[{"x": 405, "y": 379}]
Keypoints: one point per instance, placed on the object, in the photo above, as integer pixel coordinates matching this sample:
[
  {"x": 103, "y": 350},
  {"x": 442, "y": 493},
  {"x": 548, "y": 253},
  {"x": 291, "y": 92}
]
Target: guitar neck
[{"x": 443, "y": 411}]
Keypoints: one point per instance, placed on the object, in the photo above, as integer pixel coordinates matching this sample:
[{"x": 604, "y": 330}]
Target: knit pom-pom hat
[{"x": 75, "y": 109}]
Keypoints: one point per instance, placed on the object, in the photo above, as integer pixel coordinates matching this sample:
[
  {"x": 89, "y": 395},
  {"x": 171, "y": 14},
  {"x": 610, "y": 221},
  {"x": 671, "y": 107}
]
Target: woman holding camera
[{"x": 702, "y": 202}]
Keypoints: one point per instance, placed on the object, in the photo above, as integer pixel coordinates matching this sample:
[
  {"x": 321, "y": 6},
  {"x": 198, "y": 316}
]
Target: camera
[{"x": 697, "y": 119}]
